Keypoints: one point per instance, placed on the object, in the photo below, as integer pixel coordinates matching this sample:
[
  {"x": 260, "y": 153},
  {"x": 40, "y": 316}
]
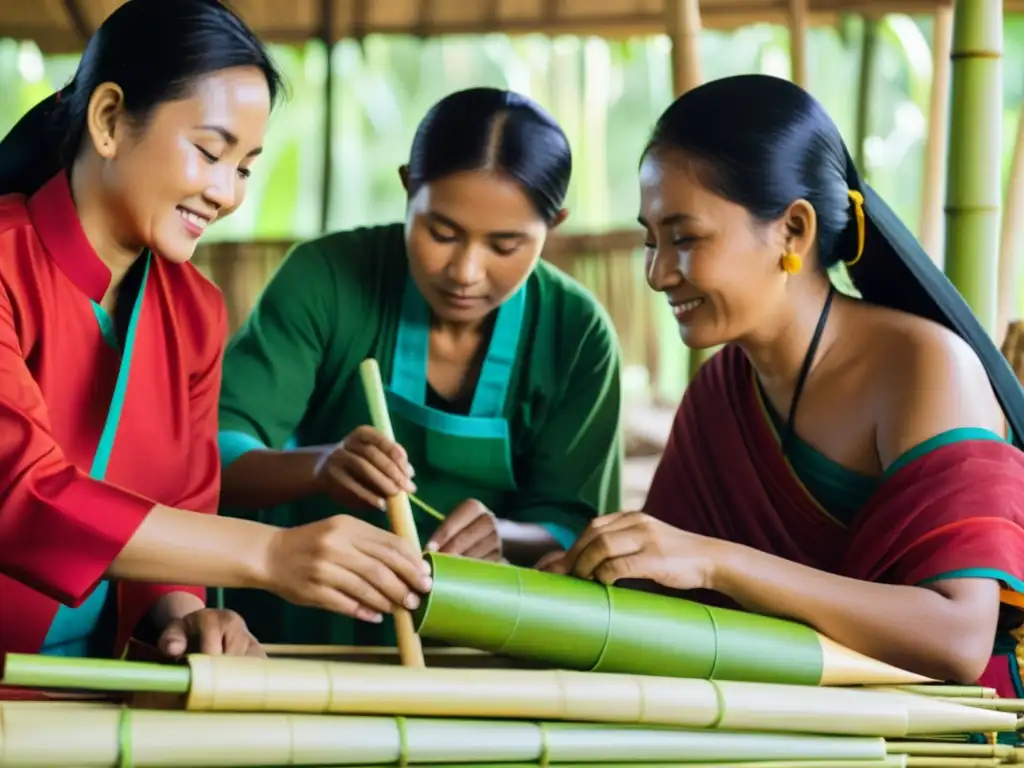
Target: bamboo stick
[
  {"x": 1002, "y": 705},
  {"x": 934, "y": 749},
  {"x": 398, "y": 510},
  {"x": 973, "y": 189},
  {"x": 967, "y": 691}
]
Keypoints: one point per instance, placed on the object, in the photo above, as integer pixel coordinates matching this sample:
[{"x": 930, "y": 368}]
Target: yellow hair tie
[{"x": 858, "y": 210}]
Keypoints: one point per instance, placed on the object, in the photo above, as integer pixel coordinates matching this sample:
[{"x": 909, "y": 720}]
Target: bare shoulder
[{"x": 926, "y": 380}]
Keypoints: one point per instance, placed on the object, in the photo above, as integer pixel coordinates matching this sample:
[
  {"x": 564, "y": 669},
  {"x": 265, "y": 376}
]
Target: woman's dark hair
[
  {"x": 763, "y": 142},
  {"x": 155, "y": 50},
  {"x": 487, "y": 128}
]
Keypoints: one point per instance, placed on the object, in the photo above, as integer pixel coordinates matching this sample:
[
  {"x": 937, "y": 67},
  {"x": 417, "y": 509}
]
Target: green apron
[
  {"x": 456, "y": 458},
  {"x": 84, "y": 630}
]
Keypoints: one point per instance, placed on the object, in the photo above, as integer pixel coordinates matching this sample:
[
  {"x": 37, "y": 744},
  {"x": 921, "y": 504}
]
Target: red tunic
[{"x": 60, "y": 529}]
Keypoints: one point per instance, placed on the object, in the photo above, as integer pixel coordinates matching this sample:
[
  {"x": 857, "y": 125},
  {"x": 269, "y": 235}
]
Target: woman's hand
[
  {"x": 471, "y": 530},
  {"x": 634, "y": 545},
  {"x": 364, "y": 470},
  {"x": 209, "y": 631},
  {"x": 348, "y": 566}
]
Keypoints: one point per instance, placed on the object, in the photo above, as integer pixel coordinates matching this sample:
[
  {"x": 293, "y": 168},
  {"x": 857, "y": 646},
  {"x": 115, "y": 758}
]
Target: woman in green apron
[{"x": 501, "y": 373}]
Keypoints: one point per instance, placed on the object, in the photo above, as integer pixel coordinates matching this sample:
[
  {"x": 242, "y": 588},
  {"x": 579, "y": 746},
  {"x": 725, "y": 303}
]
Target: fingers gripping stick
[{"x": 398, "y": 510}]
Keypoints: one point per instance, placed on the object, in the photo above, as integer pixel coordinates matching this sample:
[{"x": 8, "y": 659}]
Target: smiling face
[
  {"x": 473, "y": 238},
  {"x": 718, "y": 267},
  {"x": 187, "y": 165}
]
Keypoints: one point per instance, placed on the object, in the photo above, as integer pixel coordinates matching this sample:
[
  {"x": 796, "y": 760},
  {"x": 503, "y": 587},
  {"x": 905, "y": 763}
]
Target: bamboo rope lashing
[{"x": 398, "y": 511}]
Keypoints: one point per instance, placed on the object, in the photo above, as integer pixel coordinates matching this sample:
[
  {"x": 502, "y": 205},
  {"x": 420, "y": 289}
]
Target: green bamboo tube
[
  {"x": 952, "y": 762},
  {"x": 583, "y": 625},
  {"x": 38, "y": 671},
  {"x": 98, "y": 738},
  {"x": 974, "y": 188}
]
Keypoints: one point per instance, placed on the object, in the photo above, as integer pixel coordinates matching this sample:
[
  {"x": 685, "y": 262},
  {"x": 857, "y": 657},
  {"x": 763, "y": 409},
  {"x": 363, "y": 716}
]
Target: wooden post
[
  {"x": 327, "y": 38},
  {"x": 683, "y": 20},
  {"x": 930, "y": 230},
  {"x": 973, "y": 184},
  {"x": 684, "y": 29},
  {"x": 868, "y": 58},
  {"x": 798, "y": 41}
]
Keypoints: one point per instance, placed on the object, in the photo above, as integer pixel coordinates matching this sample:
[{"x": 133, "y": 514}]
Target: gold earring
[{"x": 792, "y": 263}]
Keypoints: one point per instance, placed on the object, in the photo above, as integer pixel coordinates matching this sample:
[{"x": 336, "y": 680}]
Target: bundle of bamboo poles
[{"x": 234, "y": 711}]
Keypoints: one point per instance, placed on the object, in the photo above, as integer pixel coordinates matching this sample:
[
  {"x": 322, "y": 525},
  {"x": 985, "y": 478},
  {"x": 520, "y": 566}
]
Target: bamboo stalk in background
[
  {"x": 973, "y": 189},
  {"x": 865, "y": 87},
  {"x": 1009, "y": 241},
  {"x": 398, "y": 510},
  {"x": 937, "y": 143}
]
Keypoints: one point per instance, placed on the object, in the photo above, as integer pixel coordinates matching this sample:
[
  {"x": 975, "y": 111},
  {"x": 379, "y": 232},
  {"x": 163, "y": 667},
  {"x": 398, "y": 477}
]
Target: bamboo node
[
  {"x": 978, "y": 54},
  {"x": 544, "y": 746},
  {"x": 403, "y": 742},
  {"x": 124, "y": 738}
]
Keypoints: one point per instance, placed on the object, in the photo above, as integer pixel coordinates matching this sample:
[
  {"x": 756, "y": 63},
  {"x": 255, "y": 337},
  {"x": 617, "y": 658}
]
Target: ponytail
[
  {"x": 896, "y": 272},
  {"x": 35, "y": 148}
]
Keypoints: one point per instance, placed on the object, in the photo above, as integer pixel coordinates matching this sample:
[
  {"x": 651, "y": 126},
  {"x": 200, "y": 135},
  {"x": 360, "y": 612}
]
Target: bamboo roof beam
[{"x": 57, "y": 26}]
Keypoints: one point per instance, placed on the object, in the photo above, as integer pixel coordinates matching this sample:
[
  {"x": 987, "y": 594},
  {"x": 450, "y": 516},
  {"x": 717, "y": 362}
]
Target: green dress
[{"x": 539, "y": 442}]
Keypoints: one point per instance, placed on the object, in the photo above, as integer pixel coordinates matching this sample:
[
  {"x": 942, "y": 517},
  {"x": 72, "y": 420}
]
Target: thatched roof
[{"x": 61, "y": 25}]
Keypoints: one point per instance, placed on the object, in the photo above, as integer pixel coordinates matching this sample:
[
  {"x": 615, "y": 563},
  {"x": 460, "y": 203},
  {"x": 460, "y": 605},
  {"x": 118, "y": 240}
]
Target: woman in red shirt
[{"x": 110, "y": 356}]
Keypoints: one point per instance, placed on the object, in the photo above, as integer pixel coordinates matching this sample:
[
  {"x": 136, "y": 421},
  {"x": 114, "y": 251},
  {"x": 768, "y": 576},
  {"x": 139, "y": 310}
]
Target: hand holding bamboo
[{"x": 398, "y": 510}]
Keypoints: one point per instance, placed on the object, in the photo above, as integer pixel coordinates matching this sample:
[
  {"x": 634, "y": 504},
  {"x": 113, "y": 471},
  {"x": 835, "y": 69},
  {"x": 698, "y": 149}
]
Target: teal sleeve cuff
[
  {"x": 234, "y": 444},
  {"x": 1014, "y": 583},
  {"x": 565, "y": 537}
]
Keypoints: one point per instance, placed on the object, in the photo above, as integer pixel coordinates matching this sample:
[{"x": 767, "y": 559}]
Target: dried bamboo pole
[
  {"x": 934, "y": 188},
  {"x": 398, "y": 510}
]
